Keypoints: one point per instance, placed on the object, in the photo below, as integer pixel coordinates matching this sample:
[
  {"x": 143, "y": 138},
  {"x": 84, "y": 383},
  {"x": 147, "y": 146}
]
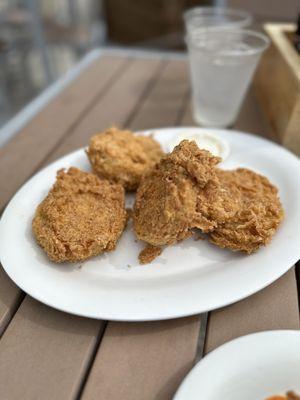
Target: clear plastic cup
[
  {"x": 211, "y": 17},
  {"x": 222, "y": 64}
]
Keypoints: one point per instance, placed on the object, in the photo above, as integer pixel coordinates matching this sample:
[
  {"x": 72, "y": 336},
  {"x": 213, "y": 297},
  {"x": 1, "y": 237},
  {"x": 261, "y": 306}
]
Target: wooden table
[{"x": 47, "y": 354}]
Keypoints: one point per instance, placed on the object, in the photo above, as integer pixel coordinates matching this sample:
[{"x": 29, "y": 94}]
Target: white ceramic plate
[
  {"x": 188, "y": 278},
  {"x": 252, "y": 367}
]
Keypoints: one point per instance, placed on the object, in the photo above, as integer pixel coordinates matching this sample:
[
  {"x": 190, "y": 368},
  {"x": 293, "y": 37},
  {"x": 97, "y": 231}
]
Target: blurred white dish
[
  {"x": 252, "y": 367},
  {"x": 188, "y": 278}
]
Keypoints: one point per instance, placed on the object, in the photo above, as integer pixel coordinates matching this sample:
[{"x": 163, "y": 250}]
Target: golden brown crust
[
  {"x": 216, "y": 203},
  {"x": 123, "y": 157},
  {"x": 259, "y": 211},
  {"x": 166, "y": 201},
  {"x": 149, "y": 253},
  {"x": 82, "y": 216}
]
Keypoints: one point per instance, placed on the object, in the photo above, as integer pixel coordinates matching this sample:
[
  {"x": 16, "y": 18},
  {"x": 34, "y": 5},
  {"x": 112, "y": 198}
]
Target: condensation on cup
[{"x": 222, "y": 64}]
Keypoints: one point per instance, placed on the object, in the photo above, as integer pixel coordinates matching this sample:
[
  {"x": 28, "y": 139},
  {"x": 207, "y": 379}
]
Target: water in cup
[{"x": 222, "y": 65}]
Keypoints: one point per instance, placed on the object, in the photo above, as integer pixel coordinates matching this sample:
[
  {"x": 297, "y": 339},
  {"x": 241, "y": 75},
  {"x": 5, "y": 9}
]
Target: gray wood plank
[
  {"x": 143, "y": 360},
  {"x": 44, "y": 353},
  {"x": 275, "y": 307},
  {"x": 167, "y": 97}
]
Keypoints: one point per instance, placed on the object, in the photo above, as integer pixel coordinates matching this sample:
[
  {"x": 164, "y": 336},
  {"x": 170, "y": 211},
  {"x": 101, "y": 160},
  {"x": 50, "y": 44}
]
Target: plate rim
[{"x": 223, "y": 347}]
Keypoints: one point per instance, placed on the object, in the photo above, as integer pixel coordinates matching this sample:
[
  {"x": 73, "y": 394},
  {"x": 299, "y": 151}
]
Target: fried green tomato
[
  {"x": 259, "y": 211},
  {"x": 82, "y": 216},
  {"x": 122, "y": 156},
  {"x": 165, "y": 210}
]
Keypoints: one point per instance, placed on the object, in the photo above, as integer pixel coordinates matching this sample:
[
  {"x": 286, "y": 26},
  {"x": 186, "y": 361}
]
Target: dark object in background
[
  {"x": 155, "y": 23},
  {"x": 297, "y": 35}
]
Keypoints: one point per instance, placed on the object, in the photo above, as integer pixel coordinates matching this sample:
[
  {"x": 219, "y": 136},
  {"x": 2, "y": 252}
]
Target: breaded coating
[
  {"x": 216, "y": 203},
  {"x": 82, "y": 216},
  {"x": 259, "y": 213},
  {"x": 123, "y": 157},
  {"x": 149, "y": 253},
  {"x": 165, "y": 210}
]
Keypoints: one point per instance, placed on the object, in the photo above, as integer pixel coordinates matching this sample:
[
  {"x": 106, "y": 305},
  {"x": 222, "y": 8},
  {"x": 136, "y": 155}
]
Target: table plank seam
[
  {"x": 278, "y": 301},
  {"x": 207, "y": 332},
  {"x": 297, "y": 272},
  {"x": 200, "y": 348},
  {"x": 113, "y": 108},
  {"x": 183, "y": 108},
  {"x": 11, "y": 312},
  {"x": 90, "y": 364},
  {"x": 146, "y": 91}
]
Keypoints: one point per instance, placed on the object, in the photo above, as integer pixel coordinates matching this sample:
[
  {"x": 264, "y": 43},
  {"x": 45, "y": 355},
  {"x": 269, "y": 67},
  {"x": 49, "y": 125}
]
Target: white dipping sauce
[{"x": 208, "y": 141}]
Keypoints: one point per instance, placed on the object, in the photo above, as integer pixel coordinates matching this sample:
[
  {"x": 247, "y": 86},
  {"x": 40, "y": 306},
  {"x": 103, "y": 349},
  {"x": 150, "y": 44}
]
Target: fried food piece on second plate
[
  {"x": 82, "y": 216},
  {"x": 165, "y": 210},
  {"x": 292, "y": 396},
  {"x": 259, "y": 215},
  {"x": 289, "y": 396},
  {"x": 122, "y": 156}
]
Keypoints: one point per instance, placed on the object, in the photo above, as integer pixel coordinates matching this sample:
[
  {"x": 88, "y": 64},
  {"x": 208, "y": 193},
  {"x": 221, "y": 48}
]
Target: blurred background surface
[{"x": 42, "y": 39}]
